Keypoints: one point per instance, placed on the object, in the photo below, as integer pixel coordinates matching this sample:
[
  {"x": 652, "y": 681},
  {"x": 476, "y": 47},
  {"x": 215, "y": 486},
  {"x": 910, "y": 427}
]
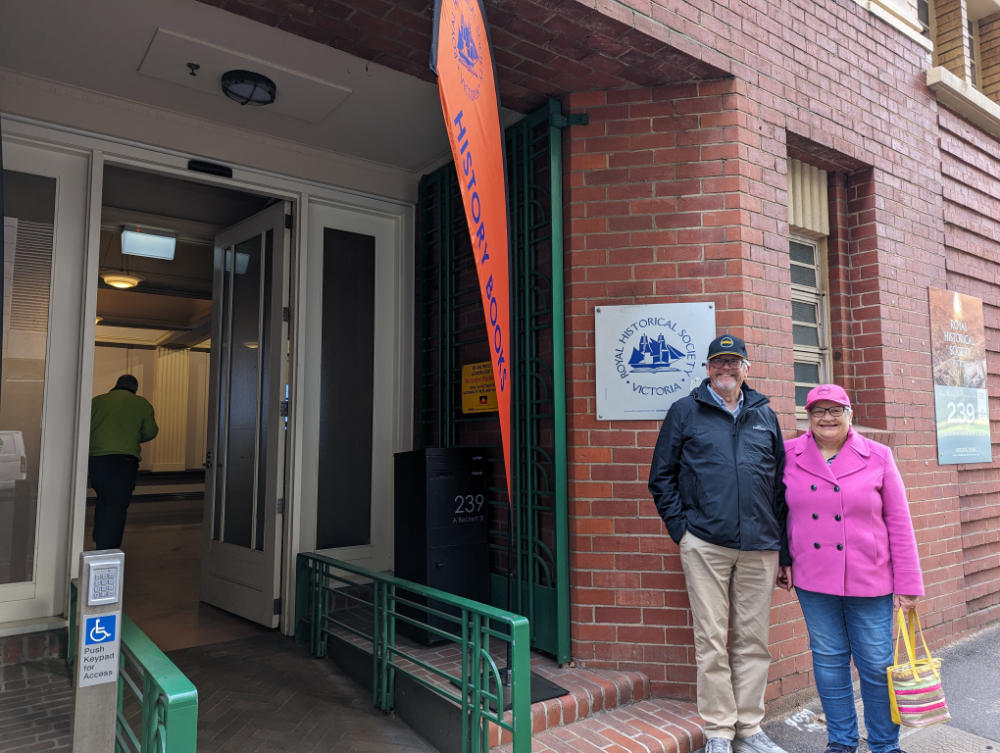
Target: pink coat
[{"x": 849, "y": 527}]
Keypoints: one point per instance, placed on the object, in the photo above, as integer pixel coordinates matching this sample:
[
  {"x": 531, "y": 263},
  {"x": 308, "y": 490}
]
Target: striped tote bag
[{"x": 915, "y": 691}]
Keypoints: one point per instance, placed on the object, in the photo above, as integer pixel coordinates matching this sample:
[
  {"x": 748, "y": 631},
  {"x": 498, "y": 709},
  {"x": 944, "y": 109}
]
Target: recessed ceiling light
[
  {"x": 151, "y": 242},
  {"x": 121, "y": 280}
]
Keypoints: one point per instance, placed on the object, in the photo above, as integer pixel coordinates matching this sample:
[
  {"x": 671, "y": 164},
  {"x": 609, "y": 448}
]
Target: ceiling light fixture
[
  {"x": 151, "y": 242},
  {"x": 121, "y": 280},
  {"x": 248, "y": 88}
]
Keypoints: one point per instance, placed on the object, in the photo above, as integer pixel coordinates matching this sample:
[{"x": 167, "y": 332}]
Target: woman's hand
[
  {"x": 906, "y": 603},
  {"x": 784, "y": 579}
]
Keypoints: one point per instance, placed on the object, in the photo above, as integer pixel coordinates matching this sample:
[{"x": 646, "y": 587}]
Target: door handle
[{"x": 208, "y": 460}]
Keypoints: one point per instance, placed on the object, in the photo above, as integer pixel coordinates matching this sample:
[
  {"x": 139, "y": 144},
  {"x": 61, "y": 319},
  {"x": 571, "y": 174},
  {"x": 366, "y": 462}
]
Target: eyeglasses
[
  {"x": 726, "y": 363},
  {"x": 835, "y": 412}
]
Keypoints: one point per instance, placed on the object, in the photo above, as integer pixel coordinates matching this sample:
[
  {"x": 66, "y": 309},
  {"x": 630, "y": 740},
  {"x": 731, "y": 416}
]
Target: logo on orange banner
[{"x": 462, "y": 58}]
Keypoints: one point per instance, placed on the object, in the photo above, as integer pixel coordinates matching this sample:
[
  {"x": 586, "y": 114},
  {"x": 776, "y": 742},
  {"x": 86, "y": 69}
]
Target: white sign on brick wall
[{"x": 649, "y": 356}]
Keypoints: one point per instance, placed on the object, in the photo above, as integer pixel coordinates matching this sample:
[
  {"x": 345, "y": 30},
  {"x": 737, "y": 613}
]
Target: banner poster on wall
[
  {"x": 462, "y": 58},
  {"x": 649, "y": 356},
  {"x": 961, "y": 402}
]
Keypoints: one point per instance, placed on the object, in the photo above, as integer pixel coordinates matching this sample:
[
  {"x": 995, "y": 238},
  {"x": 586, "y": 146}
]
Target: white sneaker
[
  {"x": 718, "y": 745},
  {"x": 759, "y": 743}
]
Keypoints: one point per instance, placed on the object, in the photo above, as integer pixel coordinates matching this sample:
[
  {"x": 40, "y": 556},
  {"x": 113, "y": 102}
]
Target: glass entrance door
[
  {"x": 245, "y": 462},
  {"x": 45, "y": 211}
]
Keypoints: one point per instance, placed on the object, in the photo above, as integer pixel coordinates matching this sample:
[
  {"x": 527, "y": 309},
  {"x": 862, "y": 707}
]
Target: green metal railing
[
  {"x": 169, "y": 700},
  {"x": 453, "y": 334},
  {"x": 340, "y": 601},
  {"x": 148, "y": 682}
]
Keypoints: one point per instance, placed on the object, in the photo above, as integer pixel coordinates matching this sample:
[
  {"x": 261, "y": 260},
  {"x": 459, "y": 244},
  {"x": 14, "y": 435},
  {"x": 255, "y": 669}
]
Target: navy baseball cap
[{"x": 727, "y": 345}]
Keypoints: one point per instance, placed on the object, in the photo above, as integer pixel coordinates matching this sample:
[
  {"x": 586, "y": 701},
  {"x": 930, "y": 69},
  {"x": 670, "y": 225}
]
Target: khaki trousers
[{"x": 731, "y": 682}]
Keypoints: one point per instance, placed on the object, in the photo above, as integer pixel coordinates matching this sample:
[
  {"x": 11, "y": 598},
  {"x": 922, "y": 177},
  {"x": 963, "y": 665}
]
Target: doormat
[{"x": 542, "y": 689}]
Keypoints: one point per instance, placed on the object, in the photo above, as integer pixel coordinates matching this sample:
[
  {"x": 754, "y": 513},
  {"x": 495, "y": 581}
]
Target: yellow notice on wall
[{"x": 479, "y": 392}]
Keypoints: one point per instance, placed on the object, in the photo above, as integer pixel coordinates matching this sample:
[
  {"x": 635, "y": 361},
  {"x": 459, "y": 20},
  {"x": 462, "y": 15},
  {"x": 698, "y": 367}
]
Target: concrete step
[{"x": 651, "y": 725}]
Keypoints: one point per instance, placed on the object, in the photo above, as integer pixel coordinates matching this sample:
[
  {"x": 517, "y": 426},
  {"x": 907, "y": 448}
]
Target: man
[
  {"x": 716, "y": 479},
  {"x": 119, "y": 422}
]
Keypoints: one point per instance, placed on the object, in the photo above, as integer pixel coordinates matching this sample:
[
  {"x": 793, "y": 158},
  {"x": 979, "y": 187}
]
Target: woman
[{"x": 854, "y": 563}]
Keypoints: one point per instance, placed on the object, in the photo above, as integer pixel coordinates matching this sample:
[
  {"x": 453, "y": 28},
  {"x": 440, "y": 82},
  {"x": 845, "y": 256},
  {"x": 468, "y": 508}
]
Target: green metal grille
[
  {"x": 453, "y": 334},
  {"x": 338, "y": 601}
]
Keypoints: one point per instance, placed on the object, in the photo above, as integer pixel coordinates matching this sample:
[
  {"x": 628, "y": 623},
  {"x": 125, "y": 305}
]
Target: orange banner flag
[{"x": 462, "y": 58}]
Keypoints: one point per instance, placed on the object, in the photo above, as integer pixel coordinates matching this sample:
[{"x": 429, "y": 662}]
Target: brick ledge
[
  {"x": 590, "y": 692},
  {"x": 31, "y": 647},
  {"x": 964, "y": 99},
  {"x": 655, "y": 725}
]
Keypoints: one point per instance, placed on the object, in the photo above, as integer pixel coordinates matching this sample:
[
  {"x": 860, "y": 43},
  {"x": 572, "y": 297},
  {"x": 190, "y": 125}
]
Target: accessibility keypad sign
[{"x": 99, "y": 655}]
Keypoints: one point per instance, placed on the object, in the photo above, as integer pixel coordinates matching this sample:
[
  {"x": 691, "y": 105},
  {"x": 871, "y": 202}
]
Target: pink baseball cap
[{"x": 832, "y": 392}]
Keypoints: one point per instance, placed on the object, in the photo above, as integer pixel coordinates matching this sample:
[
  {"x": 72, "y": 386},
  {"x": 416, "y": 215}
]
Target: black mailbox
[{"x": 441, "y": 529}]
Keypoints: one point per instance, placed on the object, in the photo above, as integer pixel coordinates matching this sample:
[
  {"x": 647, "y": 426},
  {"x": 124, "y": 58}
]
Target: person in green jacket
[{"x": 120, "y": 421}]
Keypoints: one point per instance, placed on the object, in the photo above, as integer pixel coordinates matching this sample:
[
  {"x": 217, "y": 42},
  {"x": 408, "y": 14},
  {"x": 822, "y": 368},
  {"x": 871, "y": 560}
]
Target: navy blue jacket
[{"x": 722, "y": 479}]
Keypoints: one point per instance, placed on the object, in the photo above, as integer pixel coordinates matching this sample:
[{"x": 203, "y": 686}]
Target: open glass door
[{"x": 240, "y": 569}]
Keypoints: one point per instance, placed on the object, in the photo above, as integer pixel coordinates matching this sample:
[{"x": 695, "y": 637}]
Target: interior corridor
[{"x": 162, "y": 546}]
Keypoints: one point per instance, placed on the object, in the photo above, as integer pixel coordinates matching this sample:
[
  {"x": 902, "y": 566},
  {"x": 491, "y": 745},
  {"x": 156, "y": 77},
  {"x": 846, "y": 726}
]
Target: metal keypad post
[{"x": 98, "y": 651}]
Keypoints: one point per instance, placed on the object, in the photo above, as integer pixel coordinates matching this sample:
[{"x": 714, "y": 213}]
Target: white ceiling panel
[
  {"x": 298, "y": 95},
  {"x": 388, "y": 117}
]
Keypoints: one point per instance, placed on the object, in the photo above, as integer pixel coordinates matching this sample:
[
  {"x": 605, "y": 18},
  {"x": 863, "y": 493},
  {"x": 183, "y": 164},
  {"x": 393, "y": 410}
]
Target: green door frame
[{"x": 453, "y": 334}]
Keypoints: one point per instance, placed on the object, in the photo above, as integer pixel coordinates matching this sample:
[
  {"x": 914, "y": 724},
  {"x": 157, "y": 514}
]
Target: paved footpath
[{"x": 971, "y": 677}]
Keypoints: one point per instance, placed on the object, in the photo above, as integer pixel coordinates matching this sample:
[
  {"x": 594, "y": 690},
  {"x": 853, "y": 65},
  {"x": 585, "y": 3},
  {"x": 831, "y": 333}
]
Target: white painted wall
[
  {"x": 176, "y": 383},
  {"x": 197, "y": 422}
]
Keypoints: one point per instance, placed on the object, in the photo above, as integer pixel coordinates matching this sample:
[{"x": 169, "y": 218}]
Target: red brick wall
[
  {"x": 18, "y": 649},
  {"x": 970, "y": 166},
  {"x": 663, "y": 204},
  {"x": 678, "y": 194}
]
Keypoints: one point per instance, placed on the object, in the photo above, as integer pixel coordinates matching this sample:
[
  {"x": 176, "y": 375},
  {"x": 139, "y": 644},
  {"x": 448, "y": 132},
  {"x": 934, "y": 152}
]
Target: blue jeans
[{"x": 841, "y": 627}]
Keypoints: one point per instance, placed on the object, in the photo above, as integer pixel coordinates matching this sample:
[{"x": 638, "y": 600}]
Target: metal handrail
[
  {"x": 169, "y": 700},
  {"x": 323, "y": 581}
]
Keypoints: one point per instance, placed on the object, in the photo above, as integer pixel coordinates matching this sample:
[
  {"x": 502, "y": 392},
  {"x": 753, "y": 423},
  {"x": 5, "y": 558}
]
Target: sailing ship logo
[
  {"x": 467, "y": 42},
  {"x": 465, "y": 48},
  {"x": 654, "y": 356},
  {"x": 648, "y": 356}
]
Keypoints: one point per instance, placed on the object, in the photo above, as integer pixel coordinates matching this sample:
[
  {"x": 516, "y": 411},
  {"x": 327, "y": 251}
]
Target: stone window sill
[
  {"x": 881, "y": 436},
  {"x": 887, "y": 13},
  {"x": 965, "y": 99}
]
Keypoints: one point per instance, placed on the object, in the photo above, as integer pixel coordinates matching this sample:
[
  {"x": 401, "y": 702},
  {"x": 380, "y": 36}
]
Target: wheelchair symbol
[{"x": 100, "y": 629}]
